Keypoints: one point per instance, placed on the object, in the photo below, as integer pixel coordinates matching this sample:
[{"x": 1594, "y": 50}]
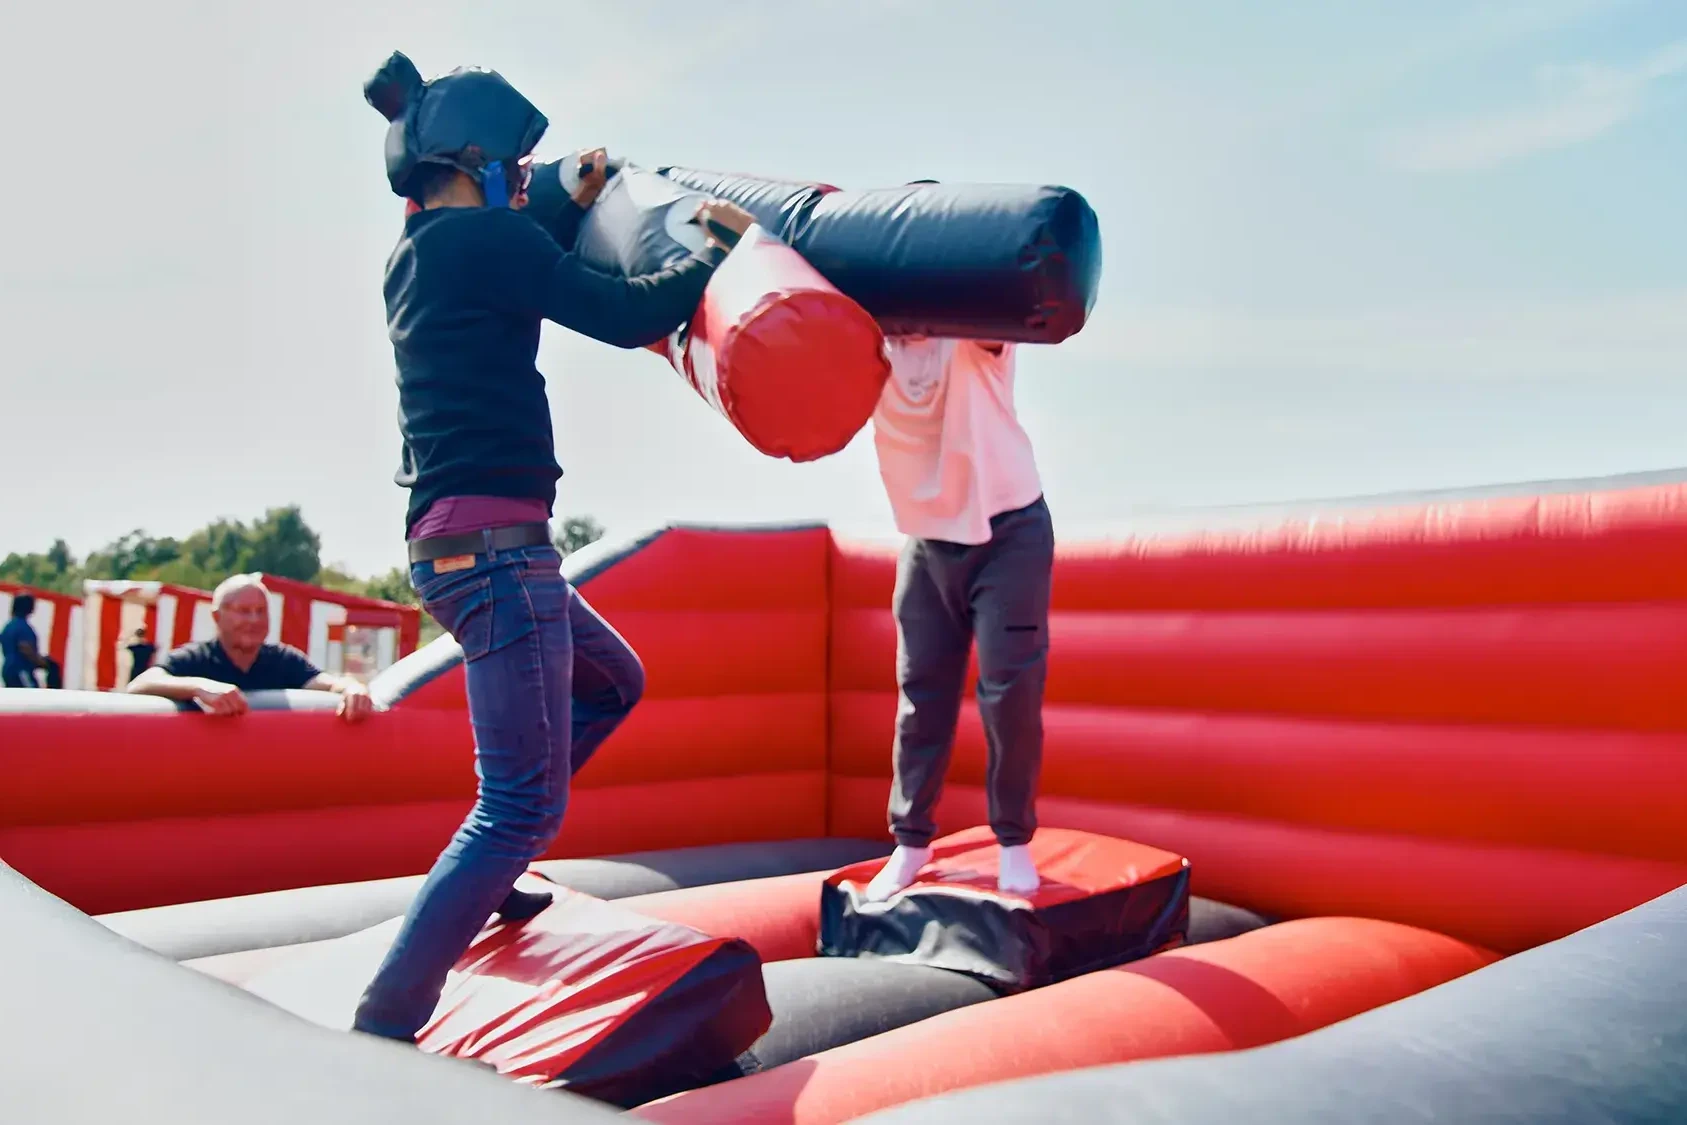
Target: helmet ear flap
[{"x": 394, "y": 88}]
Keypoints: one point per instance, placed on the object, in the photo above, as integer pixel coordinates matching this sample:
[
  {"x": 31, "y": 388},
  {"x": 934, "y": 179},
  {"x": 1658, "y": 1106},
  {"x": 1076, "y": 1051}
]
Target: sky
[{"x": 1350, "y": 246}]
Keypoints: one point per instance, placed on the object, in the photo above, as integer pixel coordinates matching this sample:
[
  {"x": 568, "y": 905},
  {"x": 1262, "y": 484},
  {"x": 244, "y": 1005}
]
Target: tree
[
  {"x": 53, "y": 569},
  {"x": 282, "y": 543},
  {"x": 220, "y": 547},
  {"x": 577, "y": 531},
  {"x": 393, "y": 586},
  {"x": 60, "y": 558},
  {"x": 132, "y": 555}
]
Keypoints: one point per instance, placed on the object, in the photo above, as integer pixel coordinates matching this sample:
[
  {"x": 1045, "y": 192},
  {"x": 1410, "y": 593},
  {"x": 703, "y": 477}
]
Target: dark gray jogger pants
[{"x": 947, "y": 596}]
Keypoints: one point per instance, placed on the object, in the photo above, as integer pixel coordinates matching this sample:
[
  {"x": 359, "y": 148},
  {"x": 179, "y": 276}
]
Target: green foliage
[
  {"x": 283, "y": 544},
  {"x": 393, "y": 586},
  {"x": 132, "y": 556},
  {"x": 576, "y": 532},
  {"x": 53, "y": 569},
  {"x": 280, "y": 543}
]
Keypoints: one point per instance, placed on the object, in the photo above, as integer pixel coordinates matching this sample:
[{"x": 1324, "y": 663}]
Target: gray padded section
[
  {"x": 825, "y": 1002},
  {"x": 1587, "y": 1030},
  {"x": 1215, "y": 921},
  {"x": 95, "y": 1030},
  {"x": 262, "y": 921}
]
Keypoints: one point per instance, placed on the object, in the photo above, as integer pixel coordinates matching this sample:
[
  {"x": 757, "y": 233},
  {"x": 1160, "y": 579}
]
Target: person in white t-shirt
[{"x": 964, "y": 488}]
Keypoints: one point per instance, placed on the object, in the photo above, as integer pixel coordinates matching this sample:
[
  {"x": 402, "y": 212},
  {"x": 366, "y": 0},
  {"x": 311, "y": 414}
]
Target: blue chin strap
[{"x": 495, "y": 185}]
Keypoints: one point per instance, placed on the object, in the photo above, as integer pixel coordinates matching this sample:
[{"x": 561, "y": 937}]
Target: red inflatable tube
[
  {"x": 776, "y": 350},
  {"x": 778, "y": 917},
  {"x": 1258, "y": 988}
]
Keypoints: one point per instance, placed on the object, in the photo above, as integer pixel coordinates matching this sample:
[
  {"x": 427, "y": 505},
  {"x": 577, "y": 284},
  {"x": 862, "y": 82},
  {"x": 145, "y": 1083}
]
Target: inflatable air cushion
[
  {"x": 1102, "y": 902},
  {"x": 588, "y": 996}
]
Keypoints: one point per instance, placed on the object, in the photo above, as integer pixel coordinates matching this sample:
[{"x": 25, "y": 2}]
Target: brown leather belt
[{"x": 480, "y": 542}]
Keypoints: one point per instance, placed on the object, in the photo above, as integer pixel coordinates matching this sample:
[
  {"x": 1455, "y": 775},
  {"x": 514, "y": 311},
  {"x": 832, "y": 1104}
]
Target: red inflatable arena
[{"x": 1338, "y": 785}]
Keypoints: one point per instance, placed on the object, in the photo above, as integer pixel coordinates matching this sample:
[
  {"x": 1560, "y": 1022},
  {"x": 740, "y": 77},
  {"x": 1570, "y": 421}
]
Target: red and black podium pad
[
  {"x": 1102, "y": 902},
  {"x": 587, "y": 996}
]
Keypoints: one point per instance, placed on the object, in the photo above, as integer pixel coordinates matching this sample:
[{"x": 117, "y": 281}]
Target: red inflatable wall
[
  {"x": 1463, "y": 716},
  {"x": 121, "y": 811},
  {"x": 1466, "y": 717}
]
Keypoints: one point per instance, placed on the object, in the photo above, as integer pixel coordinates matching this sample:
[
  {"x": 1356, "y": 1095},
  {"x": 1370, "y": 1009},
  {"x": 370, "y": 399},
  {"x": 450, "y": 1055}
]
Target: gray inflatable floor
[
  {"x": 191, "y": 930},
  {"x": 817, "y": 1003}
]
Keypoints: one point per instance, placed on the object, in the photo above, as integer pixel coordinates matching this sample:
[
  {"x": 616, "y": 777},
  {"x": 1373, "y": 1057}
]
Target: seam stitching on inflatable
[{"x": 830, "y": 592}]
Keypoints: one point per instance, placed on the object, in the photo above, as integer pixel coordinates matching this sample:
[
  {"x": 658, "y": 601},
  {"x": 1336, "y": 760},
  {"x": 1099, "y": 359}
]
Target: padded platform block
[
  {"x": 1102, "y": 902},
  {"x": 216, "y": 927},
  {"x": 1261, "y": 987},
  {"x": 588, "y": 996}
]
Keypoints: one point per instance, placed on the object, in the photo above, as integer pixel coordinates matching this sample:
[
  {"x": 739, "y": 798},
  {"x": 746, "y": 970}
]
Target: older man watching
[{"x": 215, "y": 674}]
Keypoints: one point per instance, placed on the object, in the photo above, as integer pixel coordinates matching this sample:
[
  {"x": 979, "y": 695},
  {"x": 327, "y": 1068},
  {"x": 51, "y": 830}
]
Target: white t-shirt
[{"x": 951, "y": 450}]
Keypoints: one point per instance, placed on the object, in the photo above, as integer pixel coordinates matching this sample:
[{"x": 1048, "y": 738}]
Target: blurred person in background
[
  {"x": 20, "y": 655},
  {"x": 215, "y": 674}
]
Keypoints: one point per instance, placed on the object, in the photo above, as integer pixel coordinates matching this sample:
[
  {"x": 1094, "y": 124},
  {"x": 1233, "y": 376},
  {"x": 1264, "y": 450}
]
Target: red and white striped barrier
[
  {"x": 342, "y": 633},
  {"x": 58, "y": 624},
  {"x": 168, "y": 616}
]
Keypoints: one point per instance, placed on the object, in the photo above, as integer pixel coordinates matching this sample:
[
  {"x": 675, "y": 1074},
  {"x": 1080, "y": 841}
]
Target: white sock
[
  {"x": 899, "y": 871},
  {"x": 1016, "y": 874}
]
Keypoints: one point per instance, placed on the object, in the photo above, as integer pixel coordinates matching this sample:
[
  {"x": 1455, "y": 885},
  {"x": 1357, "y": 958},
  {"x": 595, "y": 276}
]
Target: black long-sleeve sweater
[{"x": 466, "y": 289}]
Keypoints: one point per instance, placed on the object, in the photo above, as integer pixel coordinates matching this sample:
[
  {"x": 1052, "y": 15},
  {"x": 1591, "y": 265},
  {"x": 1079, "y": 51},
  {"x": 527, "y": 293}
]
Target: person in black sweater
[{"x": 547, "y": 678}]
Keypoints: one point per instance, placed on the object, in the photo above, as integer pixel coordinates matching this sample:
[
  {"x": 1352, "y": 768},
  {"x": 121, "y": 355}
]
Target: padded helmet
[{"x": 470, "y": 119}]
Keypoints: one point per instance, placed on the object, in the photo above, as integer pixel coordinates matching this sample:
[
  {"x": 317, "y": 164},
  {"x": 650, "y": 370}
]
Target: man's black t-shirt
[
  {"x": 466, "y": 290},
  {"x": 277, "y": 667}
]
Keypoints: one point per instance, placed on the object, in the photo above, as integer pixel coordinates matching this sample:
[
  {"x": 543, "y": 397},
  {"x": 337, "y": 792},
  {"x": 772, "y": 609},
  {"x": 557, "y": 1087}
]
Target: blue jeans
[{"x": 548, "y": 680}]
